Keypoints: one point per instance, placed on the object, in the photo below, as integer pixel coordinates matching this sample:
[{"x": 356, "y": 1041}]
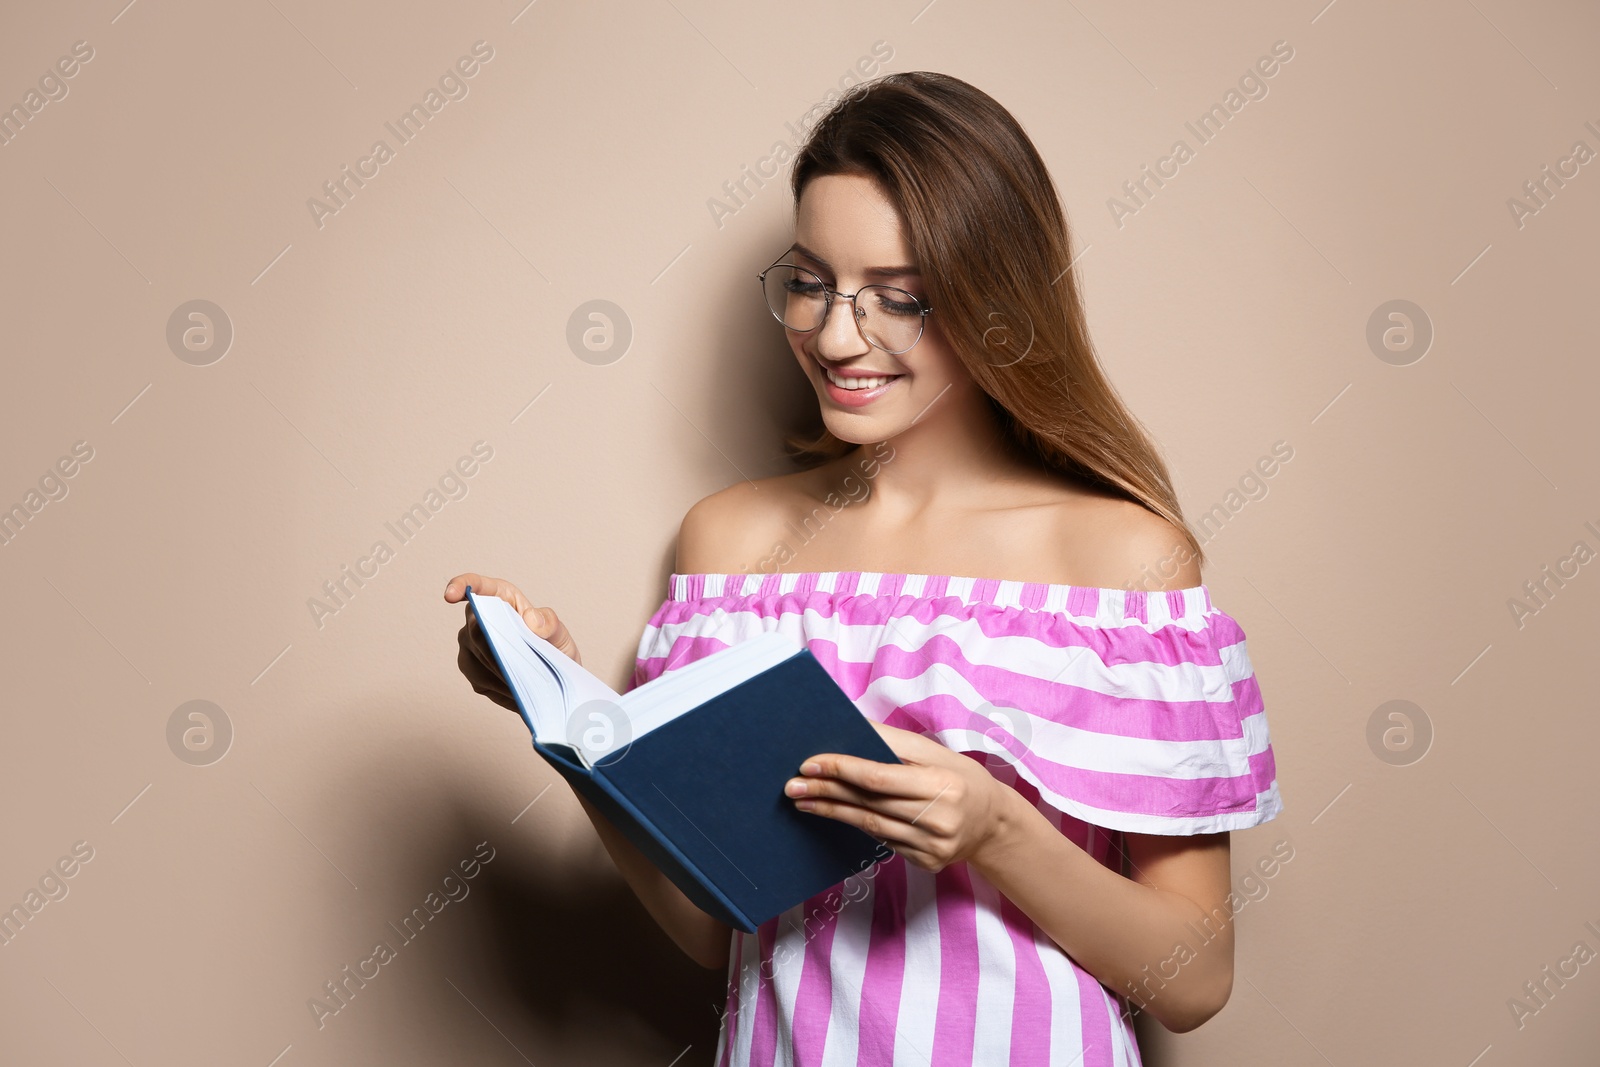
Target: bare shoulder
[
  {"x": 725, "y": 532},
  {"x": 1121, "y": 543}
]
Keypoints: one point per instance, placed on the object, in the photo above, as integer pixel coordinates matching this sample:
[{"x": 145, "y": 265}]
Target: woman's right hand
[{"x": 476, "y": 659}]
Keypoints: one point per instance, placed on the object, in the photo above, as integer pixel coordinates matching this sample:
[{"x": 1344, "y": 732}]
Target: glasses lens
[
  {"x": 890, "y": 318},
  {"x": 795, "y": 296}
]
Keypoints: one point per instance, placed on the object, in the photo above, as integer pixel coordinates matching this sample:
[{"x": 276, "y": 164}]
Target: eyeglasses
[{"x": 888, "y": 317}]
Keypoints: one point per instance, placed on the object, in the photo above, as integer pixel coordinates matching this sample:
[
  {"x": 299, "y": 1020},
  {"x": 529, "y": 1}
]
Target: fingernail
[
  {"x": 810, "y": 767},
  {"x": 795, "y": 787}
]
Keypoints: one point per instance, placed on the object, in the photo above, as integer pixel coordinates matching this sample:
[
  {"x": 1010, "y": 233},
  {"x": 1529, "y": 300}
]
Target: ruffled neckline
[{"x": 1100, "y": 603}]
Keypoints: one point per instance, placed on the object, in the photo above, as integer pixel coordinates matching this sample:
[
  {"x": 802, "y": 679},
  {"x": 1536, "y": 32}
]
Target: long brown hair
[{"x": 988, "y": 231}]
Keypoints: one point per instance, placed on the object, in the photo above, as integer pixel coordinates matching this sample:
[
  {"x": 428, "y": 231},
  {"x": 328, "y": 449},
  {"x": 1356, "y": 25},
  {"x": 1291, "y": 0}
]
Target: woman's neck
[{"x": 947, "y": 457}]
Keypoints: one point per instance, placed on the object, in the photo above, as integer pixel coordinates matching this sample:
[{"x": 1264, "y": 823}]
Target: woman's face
[{"x": 846, "y": 231}]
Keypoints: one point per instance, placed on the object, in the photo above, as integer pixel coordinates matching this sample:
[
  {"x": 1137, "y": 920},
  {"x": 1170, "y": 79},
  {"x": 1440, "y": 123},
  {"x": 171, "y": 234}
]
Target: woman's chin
[{"x": 854, "y": 428}]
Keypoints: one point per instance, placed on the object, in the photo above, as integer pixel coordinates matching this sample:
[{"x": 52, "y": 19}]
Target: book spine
[{"x": 741, "y": 920}]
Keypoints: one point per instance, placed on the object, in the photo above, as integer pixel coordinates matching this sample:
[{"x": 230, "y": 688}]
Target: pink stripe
[
  {"x": 1094, "y": 1020},
  {"x": 1138, "y": 794},
  {"x": 884, "y": 977},
  {"x": 1264, "y": 767},
  {"x": 984, "y": 590},
  {"x": 958, "y": 971},
  {"x": 764, "y": 1032},
  {"x": 684, "y": 650},
  {"x": 814, "y": 999},
  {"x": 1030, "y": 1007},
  {"x": 1066, "y": 703},
  {"x": 890, "y": 585},
  {"x": 769, "y": 585},
  {"x": 1133, "y": 605},
  {"x": 1057, "y": 701},
  {"x": 936, "y": 585}
]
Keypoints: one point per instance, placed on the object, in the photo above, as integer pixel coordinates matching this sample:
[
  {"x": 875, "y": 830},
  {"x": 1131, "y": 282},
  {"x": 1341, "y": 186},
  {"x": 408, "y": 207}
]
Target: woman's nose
[{"x": 840, "y": 336}]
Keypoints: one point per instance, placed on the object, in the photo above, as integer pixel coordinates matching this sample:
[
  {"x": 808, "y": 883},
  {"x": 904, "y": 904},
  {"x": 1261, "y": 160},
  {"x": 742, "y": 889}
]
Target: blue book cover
[{"x": 701, "y": 794}]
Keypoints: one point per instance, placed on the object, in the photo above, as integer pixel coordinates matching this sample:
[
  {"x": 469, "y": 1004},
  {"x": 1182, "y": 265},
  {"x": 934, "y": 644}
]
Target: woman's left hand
[{"x": 935, "y": 808}]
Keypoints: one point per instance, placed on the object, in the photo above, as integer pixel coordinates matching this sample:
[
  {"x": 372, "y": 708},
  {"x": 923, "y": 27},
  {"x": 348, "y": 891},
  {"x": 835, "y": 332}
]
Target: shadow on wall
[
  {"x": 559, "y": 956},
  {"x": 589, "y": 967},
  {"x": 533, "y": 941}
]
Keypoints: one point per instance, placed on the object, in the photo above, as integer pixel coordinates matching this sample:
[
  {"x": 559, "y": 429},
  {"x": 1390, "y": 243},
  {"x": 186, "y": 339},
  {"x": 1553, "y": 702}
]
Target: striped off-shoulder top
[{"x": 1110, "y": 710}]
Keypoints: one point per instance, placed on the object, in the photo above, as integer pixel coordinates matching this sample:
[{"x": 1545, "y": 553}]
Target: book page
[{"x": 548, "y": 685}]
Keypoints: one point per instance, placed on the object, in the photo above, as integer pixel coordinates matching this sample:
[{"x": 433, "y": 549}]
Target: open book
[{"x": 691, "y": 766}]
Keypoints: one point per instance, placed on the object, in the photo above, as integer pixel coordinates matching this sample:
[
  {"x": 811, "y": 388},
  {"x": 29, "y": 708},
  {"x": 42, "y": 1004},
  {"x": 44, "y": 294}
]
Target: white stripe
[
  {"x": 997, "y": 976},
  {"x": 1023, "y": 656},
  {"x": 1121, "y": 1054},
  {"x": 1268, "y": 802},
  {"x": 1071, "y": 746},
  {"x": 1235, "y": 661},
  {"x": 1112, "y": 607},
  {"x": 919, "y": 995},
  {"x": 847, "y": 959},
  {"x": 788, "y": 960},
  {"x": 1079, "y": 665},
  {"x": 1066, "y": 1013}
]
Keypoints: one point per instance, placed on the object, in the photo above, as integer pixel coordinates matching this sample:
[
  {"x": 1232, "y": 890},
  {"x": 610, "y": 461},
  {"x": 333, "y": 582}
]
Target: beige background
[{"x": 371, "y": 352}]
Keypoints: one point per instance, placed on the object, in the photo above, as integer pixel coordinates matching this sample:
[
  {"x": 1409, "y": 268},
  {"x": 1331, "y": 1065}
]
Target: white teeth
[{"x": 857, "y": 383}]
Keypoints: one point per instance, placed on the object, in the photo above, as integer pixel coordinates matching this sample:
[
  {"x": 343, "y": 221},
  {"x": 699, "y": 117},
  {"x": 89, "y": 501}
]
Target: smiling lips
[
  {"x": 855, "y": 388},
  {"x": 855, "y": 380}
]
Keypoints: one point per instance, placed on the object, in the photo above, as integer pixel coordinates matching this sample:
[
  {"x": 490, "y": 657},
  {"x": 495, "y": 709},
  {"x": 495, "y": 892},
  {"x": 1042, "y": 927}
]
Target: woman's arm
[
  {"x": 709, "y": 538},
  {"x": 1163, "y": 937},
  {"x": 702, "y": 938}
]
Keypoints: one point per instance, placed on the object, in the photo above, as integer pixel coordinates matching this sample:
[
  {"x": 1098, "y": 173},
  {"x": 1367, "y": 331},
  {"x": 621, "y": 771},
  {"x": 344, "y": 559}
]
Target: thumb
[{"x": 548, "y": 625}]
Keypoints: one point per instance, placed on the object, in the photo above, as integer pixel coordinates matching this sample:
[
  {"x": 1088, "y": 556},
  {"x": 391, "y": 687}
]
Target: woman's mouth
[{"x": 853, "y": 390}]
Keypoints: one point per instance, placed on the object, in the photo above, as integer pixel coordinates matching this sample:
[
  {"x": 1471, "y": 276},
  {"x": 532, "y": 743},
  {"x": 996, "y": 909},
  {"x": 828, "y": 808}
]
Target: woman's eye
[
  {"x": 897, "y": 307},
  {"x": 794, "y": 286}
]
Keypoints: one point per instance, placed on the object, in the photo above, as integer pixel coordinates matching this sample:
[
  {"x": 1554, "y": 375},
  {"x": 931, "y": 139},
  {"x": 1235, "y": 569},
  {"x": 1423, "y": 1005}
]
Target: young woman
[{"x": 987, "y": 555}]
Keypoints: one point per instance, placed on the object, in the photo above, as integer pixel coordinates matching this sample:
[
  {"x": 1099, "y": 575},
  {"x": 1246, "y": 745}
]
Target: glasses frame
[{"x": 858, "y": 313}]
